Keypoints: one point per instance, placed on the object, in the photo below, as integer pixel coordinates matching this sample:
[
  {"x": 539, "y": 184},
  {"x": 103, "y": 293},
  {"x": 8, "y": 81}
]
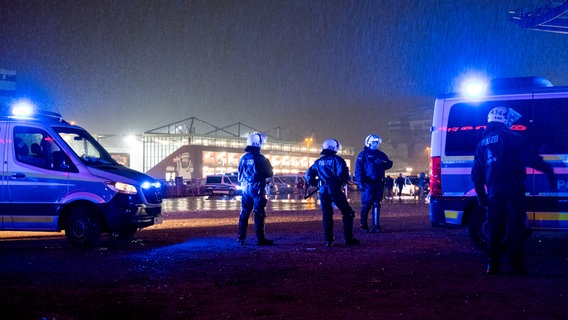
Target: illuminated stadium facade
[{"x": 193, "y": 149}]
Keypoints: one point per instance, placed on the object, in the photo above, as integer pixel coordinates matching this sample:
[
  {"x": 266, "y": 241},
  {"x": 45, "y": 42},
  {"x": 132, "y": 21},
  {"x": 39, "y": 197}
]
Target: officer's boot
[
  {"x": 517, "y": 265},
  {"x": 348, "y": 229},
  {"x": 376, "y": 215},
  {"x": 243, "y": 225},
  {"x": 259, "y": 229},
  {"x": 364, "y": 215},
  {"x": 492, "y": 260}
]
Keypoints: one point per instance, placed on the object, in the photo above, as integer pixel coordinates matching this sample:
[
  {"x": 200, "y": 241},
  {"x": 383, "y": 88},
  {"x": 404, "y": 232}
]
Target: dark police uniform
[
  {"x": 254, "y": 169},
  {"x": 500, "y": 164},
  {"x": 370, "y": 169},
  {"x": 330, "y": 173}
]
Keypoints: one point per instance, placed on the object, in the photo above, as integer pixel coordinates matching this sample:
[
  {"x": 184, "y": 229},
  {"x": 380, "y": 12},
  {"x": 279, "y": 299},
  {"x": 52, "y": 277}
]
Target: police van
[
  {"x": 223, "y": 184},
  {"x": 458, "y": 124},
  {"x": 56, "y": 176}
]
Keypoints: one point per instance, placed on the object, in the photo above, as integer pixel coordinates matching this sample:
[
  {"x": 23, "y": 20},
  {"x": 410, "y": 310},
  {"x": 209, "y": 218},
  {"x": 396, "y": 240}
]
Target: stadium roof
[{"x": 553, "y": 17}]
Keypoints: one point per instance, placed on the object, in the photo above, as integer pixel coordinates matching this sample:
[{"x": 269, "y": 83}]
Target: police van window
[
  {"x": 34, "y": 146},
  {"x": 467, "y": 121},
  {"x": 85, "y": 146},
  {"x": 551, "y": 129},
  {"x": 213, "y": 179}
]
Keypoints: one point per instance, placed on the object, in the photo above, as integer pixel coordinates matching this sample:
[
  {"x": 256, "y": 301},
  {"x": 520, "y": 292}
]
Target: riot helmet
[
  {"x": 373, "y": 138},
  {"x": 331, "y": 144},
  {"x": 504, "y": 115},
  {"x": 256, "y": 139}
]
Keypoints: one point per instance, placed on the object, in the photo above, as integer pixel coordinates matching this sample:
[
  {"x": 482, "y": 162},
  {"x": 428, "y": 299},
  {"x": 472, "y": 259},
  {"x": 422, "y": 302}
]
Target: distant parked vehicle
[
  {"x": 287, "y": 183},
  {"x": 410, "y": 187},
  {"x": 222, "y": 184}
]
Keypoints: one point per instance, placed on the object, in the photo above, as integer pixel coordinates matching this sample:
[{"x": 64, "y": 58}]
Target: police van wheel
[
  {"x": 478, "y": 230},
  {"x": 82, "y": 230}
]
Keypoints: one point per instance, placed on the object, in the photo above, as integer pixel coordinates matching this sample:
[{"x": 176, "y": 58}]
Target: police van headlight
[{"x": 122, "y": 187}]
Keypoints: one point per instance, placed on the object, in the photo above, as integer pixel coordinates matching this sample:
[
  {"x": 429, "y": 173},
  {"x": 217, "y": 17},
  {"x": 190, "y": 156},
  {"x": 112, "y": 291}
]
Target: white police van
[
  {"x": 223, "y": 184},
  {"x": 56, "y": 176},
  {"x": 458, "y": 124}
]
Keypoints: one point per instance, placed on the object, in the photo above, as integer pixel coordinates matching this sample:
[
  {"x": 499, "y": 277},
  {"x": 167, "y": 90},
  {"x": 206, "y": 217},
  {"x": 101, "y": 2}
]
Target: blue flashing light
[
  {"x": 474, "y": 89},
  {"x": 148, "y": 185},
  {"x": 23, "y": 108}
]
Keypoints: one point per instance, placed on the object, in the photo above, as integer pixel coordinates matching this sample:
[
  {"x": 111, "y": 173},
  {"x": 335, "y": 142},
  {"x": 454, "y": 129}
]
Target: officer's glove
[
  {"x": 483, "y": 200},
  {"x": 552, "y": 182}
]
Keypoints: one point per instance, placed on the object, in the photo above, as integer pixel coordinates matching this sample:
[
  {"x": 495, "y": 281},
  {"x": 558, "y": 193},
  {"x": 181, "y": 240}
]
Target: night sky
[{"x": 339, "y": 68}]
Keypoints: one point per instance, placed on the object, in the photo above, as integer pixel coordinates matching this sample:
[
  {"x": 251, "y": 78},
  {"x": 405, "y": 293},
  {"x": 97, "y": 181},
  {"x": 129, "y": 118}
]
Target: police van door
[
  {"x": 3, "y": 187},
  {"x": 35, "y": 185},
  {"x": 550, "y": 206}
]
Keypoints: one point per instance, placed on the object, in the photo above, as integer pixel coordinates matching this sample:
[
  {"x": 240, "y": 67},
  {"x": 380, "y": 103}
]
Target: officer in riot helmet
[
  {"x": 498, "y": 174},
  {"x": 330, "y": 173},
  {"x": 253, "y": 171},
  {"x": 370, "y": 169}
]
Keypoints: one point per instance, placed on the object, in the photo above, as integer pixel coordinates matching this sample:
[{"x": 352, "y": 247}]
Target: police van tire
[
  {"x": 478, "y": 230},
  {"x": 82, "y": 229},
  {"x": 232, "y": 192}
]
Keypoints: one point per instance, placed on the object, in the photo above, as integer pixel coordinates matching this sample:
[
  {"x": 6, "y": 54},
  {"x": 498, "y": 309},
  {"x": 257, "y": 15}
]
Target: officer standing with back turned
[
  {"x": 500, "y": 163},
  {"x": 330, "y": 173},
  {"x": 254, "y": 169}
]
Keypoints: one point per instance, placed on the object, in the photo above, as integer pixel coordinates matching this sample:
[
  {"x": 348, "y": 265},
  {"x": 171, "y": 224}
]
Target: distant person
[
  {"x": 389, "y": 186},
  {"x": 399, "y": 181},
  {"x": 422, "y": 187},
  {"x": 499, "y": 166},
  {"x": 301, "y": 187},
  {"x": 370, "y": 169},
  {"x": 330, "y": 174},
  {"x": 253, "y": 171}
]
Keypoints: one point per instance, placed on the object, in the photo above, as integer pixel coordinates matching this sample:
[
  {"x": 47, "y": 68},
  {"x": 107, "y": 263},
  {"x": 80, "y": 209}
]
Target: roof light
[
  {"x": 22, "y": 108},
  {"x": 474, "y": 88}
]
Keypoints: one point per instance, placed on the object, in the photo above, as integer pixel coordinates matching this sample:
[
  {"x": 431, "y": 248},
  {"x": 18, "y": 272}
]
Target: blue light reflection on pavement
[{"x": 287, "y": 202}]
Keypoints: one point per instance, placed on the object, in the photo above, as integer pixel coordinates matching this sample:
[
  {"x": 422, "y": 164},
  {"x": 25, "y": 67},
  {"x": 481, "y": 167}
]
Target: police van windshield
[{"x": 85, "y": 146}]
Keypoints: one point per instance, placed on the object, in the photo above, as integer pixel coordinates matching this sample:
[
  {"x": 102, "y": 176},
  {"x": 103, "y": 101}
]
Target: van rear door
[
  {"x": 3, "y": 188},
  {"x": 36, "y": 183},
  {"x": 550, "y": 207}
]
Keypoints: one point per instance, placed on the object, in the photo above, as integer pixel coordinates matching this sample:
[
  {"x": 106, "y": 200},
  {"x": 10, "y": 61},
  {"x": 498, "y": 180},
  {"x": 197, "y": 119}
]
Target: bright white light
[
  {"x": 474, "y": 88},
  {"x": 22, "y": 108},
  {"x": 130, "y": 139}
]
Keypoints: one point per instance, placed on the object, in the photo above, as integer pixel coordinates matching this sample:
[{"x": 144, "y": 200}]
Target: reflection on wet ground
[{"x": 285, "y": 202}]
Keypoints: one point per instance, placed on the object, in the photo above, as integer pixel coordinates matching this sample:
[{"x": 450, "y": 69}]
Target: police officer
[
  {"x": 370, "y": 169},
  {"x": 330, "y": 173},
  {"x": 254, "y": 169},
  {"x": 399, "y": 181},
  {"x": 500, "y": 163}
]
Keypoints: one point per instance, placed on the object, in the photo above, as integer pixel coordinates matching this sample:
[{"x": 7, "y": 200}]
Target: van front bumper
[{"x": 128, "y": 211}]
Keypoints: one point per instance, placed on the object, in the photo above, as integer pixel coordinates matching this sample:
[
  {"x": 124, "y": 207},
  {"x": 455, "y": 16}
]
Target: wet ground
[
  {"x": 190, "y": 267},
  {"x": 284, "y": 202}
]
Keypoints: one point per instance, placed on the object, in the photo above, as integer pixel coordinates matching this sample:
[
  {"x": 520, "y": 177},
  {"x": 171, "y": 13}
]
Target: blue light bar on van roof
[
  {"x": 474, "y": 89},
  {"x": 23, "y": 108}
]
